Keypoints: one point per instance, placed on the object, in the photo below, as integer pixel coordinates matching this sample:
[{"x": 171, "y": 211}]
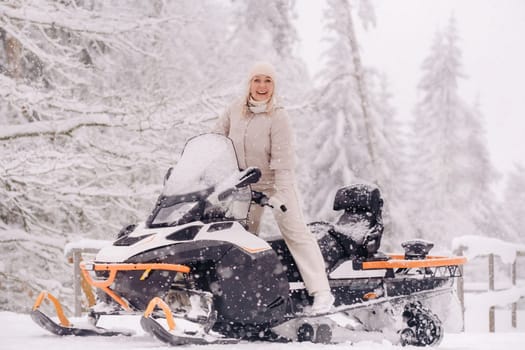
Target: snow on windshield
[{"x": 206, "y": 160}]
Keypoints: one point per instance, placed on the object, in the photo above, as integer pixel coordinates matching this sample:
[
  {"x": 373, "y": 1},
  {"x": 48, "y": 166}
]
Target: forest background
[{"x": 97, "y": 99}]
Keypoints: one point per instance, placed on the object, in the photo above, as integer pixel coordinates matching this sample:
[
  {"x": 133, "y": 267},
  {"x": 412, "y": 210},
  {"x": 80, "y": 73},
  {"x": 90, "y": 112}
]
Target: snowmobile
[{"x": 197, "y": 276}]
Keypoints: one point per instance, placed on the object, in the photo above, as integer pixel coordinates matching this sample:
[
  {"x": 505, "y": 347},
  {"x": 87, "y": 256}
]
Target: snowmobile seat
[
  {"x": 360, "y": 227},
  {"x": 355, "y": 236},
  {"x": 331, "y": 248}
]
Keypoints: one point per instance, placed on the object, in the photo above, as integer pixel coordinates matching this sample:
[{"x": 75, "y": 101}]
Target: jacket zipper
[{"x": 244, "y": 137}]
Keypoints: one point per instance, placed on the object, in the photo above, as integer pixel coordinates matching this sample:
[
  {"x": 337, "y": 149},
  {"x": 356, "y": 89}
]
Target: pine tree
[
  {"x": 514, "y": 204},
  {"x": 336, "y": 138},
  {"x": 354, "y": 138},
  {"x": 261, "y": 31},
  {"x": 392, "y": 163},
  {"x": 452, "y": 171}
]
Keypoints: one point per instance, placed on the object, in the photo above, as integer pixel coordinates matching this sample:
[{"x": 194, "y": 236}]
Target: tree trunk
[
  {"x": 13, "y": 50},
  {"x": 359, "y": 76}
]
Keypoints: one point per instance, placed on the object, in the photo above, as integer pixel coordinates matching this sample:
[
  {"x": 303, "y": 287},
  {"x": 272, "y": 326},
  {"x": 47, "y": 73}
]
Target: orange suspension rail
[
  {"x": 115, "y": 268},
  {"x": 398, "y": 261},
  {"x": 58, "y": 308},
  {"x": 160, "y": 303}
]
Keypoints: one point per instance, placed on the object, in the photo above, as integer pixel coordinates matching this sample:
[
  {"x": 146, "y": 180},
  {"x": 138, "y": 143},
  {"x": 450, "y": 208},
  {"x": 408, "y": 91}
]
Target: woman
[{"x": 262, "y": 137}]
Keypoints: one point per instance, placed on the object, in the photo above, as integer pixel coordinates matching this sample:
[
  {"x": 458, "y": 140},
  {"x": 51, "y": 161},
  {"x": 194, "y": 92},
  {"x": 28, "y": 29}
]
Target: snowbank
[{"x": 473, "y": 246}]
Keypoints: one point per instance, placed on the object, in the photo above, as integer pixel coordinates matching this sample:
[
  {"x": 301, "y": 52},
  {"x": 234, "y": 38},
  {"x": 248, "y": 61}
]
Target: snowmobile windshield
[
  {"x": 195, "y": 189},
  {"x": 206, "y": 160}
]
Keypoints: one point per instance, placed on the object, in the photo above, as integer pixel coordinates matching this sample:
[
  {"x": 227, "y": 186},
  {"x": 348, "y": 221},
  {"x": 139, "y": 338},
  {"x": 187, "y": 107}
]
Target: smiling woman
[{"x": 262, "y": 135}]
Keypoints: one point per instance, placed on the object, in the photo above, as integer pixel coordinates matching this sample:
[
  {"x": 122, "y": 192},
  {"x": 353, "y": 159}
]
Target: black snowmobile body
[{"x": 194, "y": 260}]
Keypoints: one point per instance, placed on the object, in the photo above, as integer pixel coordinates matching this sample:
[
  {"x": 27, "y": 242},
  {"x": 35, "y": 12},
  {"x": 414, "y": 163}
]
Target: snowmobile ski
[
  {"x": 158, "y": 331},
  {"x": 48, "y": 324},
  {"x": 66, "y": 327},
  {"x": 151, "y": 326}
]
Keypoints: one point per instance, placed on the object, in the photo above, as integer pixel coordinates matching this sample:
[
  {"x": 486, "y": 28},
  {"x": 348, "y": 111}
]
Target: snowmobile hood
[{"x": 145, "y": 239}]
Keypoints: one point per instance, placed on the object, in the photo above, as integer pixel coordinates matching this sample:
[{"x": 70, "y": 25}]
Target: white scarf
[{"x": 257, "y": 106}]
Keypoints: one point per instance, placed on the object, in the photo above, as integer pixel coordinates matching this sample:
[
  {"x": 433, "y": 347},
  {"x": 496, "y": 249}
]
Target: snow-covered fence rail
[
  {"x": 73, "y": 252},
  {"x": 483, "y": 247}
]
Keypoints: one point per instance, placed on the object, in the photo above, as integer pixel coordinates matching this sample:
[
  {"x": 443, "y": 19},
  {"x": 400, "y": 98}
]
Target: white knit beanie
[{"x": 262, "y": 68}]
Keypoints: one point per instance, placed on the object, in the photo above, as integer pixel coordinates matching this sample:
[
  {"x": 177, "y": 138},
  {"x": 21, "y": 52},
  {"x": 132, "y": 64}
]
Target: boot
[{"x": 323, "y": 302}]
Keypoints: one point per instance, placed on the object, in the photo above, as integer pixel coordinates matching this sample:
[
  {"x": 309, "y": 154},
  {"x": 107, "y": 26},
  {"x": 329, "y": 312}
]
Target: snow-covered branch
[
  {"x": 40, "y": 128},
  {"x": 82, "y": 21}
]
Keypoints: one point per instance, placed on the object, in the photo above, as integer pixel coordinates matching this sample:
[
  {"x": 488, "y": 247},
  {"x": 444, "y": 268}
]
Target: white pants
[{"x": 300, "y": 241}]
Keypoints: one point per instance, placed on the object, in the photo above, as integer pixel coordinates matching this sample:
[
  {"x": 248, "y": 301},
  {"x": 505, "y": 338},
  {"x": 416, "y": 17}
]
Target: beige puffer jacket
[{"x": 264, "y": 140}]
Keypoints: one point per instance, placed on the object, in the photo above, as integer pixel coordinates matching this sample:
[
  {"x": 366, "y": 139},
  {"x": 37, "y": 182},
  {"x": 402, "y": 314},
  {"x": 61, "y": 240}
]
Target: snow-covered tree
[
  {"x": 390, "y": 171},
  {"x": 261, "y": 31},
  {"x": 96, "y": 101},
  {"x": 97, "y": 98},
  {"x": 336, "y": 124},
  {"x": 107, "y": 110},
  {"x": 452, "y": 173},
  {"x": 352, "y": 132},
  {"x": 514, "y": 203}
]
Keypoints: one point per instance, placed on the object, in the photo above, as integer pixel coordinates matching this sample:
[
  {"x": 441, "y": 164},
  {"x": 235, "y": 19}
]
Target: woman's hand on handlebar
[{"x": 265, "y": 201}]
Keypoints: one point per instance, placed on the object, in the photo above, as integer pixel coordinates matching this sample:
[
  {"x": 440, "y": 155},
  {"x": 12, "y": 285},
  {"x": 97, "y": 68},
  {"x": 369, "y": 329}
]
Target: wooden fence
[
  {"x": 74, "y": 253},
  {"x": 491, "y": 288}
]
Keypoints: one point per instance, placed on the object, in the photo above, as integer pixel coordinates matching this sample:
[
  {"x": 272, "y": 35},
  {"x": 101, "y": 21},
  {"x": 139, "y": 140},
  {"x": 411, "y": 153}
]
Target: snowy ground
[{"x": 19, "y": 332}]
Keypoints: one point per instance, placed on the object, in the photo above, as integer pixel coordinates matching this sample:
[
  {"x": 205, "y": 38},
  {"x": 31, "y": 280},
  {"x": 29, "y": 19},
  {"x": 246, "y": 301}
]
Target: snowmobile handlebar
[
  {"x": 244, "y": 178},
  {"x": 249, "y": 176},
  {"x": 265, "y": 201}
]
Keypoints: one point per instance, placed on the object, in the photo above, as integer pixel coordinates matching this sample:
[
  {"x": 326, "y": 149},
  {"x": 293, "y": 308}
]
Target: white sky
[{"x": 493, "y": 47}]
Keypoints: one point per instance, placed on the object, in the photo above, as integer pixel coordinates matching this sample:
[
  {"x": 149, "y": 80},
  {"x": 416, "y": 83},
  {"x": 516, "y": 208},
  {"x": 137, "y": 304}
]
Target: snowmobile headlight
[
  {"x": 127, "y": 241},
  {"x": 89, "y": 266}
]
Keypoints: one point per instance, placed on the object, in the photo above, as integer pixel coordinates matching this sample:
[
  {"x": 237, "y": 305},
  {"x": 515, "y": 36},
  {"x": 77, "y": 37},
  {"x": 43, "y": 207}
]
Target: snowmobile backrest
[
  {"x": 359, "y": 199},
  {"x": 360, "y": 227}
]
